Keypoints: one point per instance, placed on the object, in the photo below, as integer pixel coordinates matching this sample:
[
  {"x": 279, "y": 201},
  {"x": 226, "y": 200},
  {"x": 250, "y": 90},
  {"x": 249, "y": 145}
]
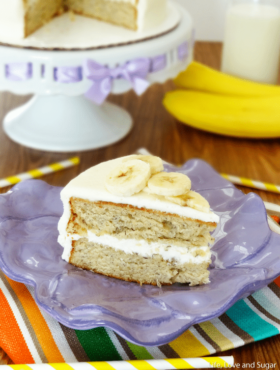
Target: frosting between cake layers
[
  {"x": 169, "y": 252},
  {"x": 89, "y": 185}
]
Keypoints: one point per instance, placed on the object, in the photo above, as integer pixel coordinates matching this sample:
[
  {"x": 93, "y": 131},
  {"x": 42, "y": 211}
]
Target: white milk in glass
[{"x": 252, "y": 41}]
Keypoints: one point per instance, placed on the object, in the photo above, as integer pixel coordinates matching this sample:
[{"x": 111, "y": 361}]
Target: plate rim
[{"x": 117, "y": 327}]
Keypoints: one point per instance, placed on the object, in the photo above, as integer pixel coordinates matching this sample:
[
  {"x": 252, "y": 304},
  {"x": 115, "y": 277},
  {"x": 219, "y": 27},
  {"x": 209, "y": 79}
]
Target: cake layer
[
  {"x": 154, "y": 270},
  {"x": 22, "y": 17},
  {"x": 121, "y": 13},
  {"x": 40, "y": 12},
  {"x": 169, "y": 252},
  {"x": 125, "y": 221}
]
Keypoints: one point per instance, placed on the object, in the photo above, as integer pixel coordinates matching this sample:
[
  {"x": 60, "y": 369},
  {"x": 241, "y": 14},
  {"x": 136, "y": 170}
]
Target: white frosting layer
[
  {"x": 151, "y": 13},
  {"x": 129, "y": 246},
  {"x": 11, "y": 19}
]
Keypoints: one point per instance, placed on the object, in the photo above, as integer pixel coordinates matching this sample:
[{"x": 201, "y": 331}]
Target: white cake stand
[{"x": 59, "y": 118}]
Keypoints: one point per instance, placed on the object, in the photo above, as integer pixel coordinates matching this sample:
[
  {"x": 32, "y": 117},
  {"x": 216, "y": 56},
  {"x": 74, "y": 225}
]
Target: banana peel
[
  {"x": 250, "y": 117},
  {"x": 199, "y": 77}
]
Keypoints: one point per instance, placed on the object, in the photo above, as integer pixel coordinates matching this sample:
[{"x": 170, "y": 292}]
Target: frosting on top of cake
[{"x": 90, "y": 185}]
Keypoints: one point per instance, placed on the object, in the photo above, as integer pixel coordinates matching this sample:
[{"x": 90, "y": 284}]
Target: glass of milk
[{"x": 252, "y": 40}]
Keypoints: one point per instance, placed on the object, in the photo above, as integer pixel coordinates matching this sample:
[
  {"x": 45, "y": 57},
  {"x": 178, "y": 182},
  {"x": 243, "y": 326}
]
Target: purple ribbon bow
[{"x": 134, "y": 71}]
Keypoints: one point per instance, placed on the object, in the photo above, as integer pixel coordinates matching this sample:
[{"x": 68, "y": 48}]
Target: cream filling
[{"x": 174, "y": 253}]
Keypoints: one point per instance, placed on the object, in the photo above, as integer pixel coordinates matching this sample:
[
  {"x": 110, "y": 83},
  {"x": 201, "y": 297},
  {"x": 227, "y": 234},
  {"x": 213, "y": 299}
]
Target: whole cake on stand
[
  {"x": 20, "y": 18},
  {"x": 72, "y": 56}
]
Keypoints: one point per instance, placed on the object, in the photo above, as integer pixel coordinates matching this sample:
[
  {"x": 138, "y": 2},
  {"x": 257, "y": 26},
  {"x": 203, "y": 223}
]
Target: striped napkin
[{"x": 29, "y": 335}]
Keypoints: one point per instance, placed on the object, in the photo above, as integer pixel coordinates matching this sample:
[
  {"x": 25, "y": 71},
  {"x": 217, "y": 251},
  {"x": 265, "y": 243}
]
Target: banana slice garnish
[
  {"x": 128, "y": 178},
  {"x": 181, "y": 200},
  {"x": 197, "y": 201},
  {"x": 155, "y": 162},
  {"x": 147, "y": 190},
  {"x": 169, "y": 184},
  {"x": 135, "y": 174},
  {"x": 193, "y": 200}
]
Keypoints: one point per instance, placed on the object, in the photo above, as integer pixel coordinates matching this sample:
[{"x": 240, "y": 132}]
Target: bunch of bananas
[{"x": 219, "y": 103}]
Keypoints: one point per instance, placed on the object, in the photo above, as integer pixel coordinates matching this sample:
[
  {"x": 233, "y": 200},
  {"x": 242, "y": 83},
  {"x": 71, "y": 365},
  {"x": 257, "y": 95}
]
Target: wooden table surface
[{"x": 164, "y": 136}]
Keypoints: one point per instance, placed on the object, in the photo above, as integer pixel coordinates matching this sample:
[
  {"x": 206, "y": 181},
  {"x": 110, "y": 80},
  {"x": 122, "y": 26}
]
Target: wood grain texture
[
  {"x": 4, "y": 359},
  {"x": 164, "y": 136}
]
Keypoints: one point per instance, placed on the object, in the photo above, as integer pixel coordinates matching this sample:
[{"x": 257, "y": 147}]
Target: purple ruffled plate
[{"x": 246, "y": 257}]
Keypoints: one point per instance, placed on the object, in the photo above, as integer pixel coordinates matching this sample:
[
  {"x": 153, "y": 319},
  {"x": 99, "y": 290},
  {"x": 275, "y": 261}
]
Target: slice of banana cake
[{"x": 129, "y": 219}]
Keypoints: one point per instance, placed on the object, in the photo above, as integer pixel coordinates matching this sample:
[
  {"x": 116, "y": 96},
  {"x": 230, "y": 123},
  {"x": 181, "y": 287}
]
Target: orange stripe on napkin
[
  {"x": 37, "y": 321},
  {"x": 13, "y": 339},
  {"x": 277, "y": 281}
]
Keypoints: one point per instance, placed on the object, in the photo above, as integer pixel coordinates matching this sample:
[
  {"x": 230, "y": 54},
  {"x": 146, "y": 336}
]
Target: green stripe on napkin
[{"x": 97, "y": 345}]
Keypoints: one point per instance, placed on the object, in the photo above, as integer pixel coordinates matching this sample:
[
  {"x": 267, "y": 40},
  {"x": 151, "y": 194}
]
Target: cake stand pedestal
[
  {"x": 64, "y": 123},
  {"x": 59, "y": 118}
]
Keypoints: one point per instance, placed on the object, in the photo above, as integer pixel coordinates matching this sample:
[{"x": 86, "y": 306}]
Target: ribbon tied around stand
[{"x": 134, "y": 71}]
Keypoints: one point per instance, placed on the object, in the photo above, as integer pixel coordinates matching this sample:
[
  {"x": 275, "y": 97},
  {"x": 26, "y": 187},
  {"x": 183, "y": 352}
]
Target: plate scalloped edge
[{"x": 152, "y": 317}]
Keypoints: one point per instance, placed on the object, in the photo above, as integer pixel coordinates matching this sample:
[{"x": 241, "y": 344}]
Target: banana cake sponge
[{"x": 131, "y": 220}]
